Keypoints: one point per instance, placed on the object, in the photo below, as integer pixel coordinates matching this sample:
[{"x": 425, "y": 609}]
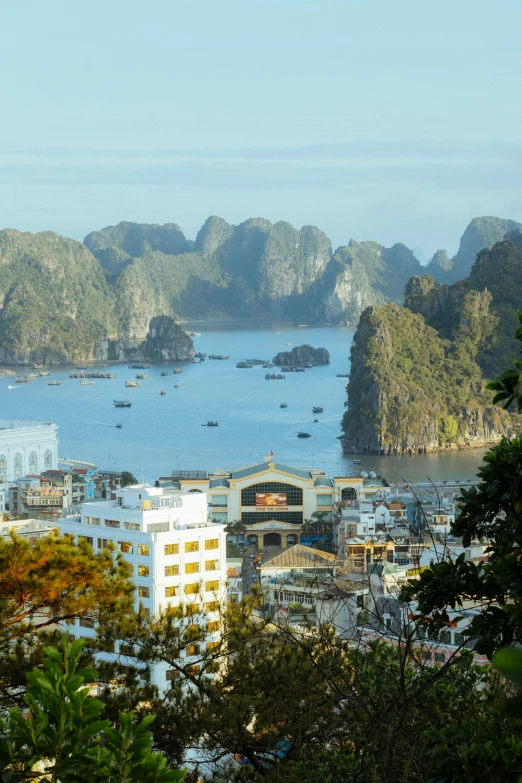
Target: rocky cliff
[
  {"x": 166, "y": 341},
  {"x": 411, "y": 391},
  {"x": 302, "y": 354}
]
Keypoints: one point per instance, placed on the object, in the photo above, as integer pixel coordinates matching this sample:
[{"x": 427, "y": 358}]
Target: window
[
  {"x": 126, "y": 547},
  {"x": 324, "y": 500},
  {"x": 143, "y": 570},
  {"x": 86, "y": 622},
  {"x": 192, "y": 588},
  {"x": 212, "y": 543},
  {"x": 192, "y": 649},
  {"x": 212, "y": 586},
  {"x": 427, "y": 656},
  {"x": 111, "y": 523},
  {"x": 103, "y": 542},
  {"x": 131, "y": 526},
  {"x": 440, "y": 658},
  {"x": 212, "y": 626},
  {"x": 172, "y": 570},
  {"x": 126, "y": 649},
  {"x": 194, "y": 669},
  {"x": 348, "y": 493},
  {"x": 219, "y": 500},
  {"x": 192, "y": 609},
  {"x": 458, "y": 638},
  {"x": 293, "y": 517},
  {"x": 3, "y": 468},
  {"x": 171, "y": 674},
  {"x": 212, "y": 606},
  {"x": 211, "y": 565},
  {"x": 220, "y": 516},
  {"x": 18, "y": 466},
  {"x": 191, "y": 546},
  {"x": 106, "y": 645},
  {"x": 172, "y": 591},
  {"x": 144, "y": 612},
  {"x": 48, "y": 459},
  {"x": 192, "y": 568},
  {"x": 212, "y": 646},
  {"x": 172, "y": 549},
  {"x": 158, "y": 527},
  {"x": 445, "y": 637},
  {"x": 86, "y": 538},
  {"x": 33, "y": 462},
  {"x": 294, "y": 495},
  {"x": 143, "y": 592},
  {"x": 91, "y": 520},
  {"x": 143, "y": 549}
]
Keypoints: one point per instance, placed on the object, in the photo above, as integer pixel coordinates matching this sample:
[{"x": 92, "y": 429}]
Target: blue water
[{"x": 161, "y": 434}]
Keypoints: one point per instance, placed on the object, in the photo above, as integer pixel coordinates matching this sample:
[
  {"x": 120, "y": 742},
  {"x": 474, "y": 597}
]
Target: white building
[
  {"x": 176, "y": 554},
  {"x": 27, "y": 447}
]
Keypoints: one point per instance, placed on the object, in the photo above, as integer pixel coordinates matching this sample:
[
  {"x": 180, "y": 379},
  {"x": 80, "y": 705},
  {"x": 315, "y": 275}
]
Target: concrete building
[
  {"x": 27, "y": 447},
  {"x": 272, "y": 500},
  {"x": 177, "y": 555}
]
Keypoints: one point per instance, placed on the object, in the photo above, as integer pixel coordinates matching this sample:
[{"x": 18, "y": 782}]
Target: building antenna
[{"x": 142, "y": 476}]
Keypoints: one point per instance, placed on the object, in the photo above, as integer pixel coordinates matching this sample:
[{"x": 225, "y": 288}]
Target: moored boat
[
  {"x": 87, "y": 383},
  {"x": 211, "y": 424},
  {"x": 142, "y": 376},
  {"x": 244, "y": 366},
  {"x": 317, "y": 409},
  {"x": 54, "y": 383},
  {"x": 25, "y": 379},
  {"x": 217, "y": 356},
  {"x": 131, "y": 384},
  {"x": 177, "y": 371},
  {"x": 43, "y": 374},
  {"x": 303, "y": 435},
  {"x": 163, "y": 374}
]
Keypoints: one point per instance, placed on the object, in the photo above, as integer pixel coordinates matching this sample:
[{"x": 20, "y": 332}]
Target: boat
[
  {"x": 256, "y": 361},
  {"x": 176, "y": 385},
  {"x": 81, "y": 367},
  {"x": 288, "y": 343},
  {"x": 244, "y": 366},
  {"x": 163, "y": 374},
  {"x": 317, "y": 410},
  {"x": 87, "y": 383},
  {"x": 200, "y": 355},
  {"x": 217, "y": 356},
  {"x": 139, "y": 366},
  {"x": 54, "y": 383},
  {"x": 177, "y": 371},
  {"x": 210, "y": 424},
  {"x": 142, "y": 376},
  {"x": 267, "y": 365},
  {"x": 118, "y": 426},
  {"x": 131, "y": 384},
  {"x": 274, "y": 377},
  {"x": 22, "y": 380},
  {"x": 283, "y": 405},
  {"x": 302, "y": 324},
  {"x": 315, "y": 421},
  {"x": 122, "y": 404},
  {"x": 43, "y": 374},
  {"x": 163, "y": 392},
  {"x": 276, "y": 332},
  {"x": 342, "y": 375},
  {"x": 32, "y": 375},
  {"x": 13, "y": 387},
  {"x": 303, "y": 435},
  {"x": 357, "y": 462}
]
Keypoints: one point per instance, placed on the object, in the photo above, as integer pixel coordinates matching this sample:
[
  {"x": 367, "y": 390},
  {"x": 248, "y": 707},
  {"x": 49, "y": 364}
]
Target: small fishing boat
[
  {"x": 163, "y": 392},
  {"x": 32, "y": 375},
  {"x": 288, "y": 343},
  {"x": 177, "y": 371},
  {"x": 200, "y": 355},
  {"x": 317, "y": 410},
  {"x": 142, "y": 376},
  {"x": 163, "y": 374},
  {"x": 43, "y": 374},
  {"x": 303, "y": 435},
  {"x": 54, "y": 383},
  {"x": 119, "y": 426},
  {"x": 210, "y": 424},
  {"x": 87, "y": 383},
  {"x": 315, "y": 421},
  {"x": 176, "y": 385},
  {"x": 131, "y": 384},
  {"x": 22, "y": 380},
  {"x": 283, "y": 405},
  {"x": 267, "y": 365},
  {"x": 122, "y": 404}
]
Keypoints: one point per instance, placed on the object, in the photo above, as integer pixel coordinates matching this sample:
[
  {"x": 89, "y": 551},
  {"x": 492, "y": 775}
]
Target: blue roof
[{"x": 253, "y": 470}]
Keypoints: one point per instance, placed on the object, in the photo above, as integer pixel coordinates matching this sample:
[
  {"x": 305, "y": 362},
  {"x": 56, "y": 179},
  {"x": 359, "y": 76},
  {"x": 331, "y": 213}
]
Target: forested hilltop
[
  {"x": 62, "y": 300},
  {"x": 418, "y": 373}
]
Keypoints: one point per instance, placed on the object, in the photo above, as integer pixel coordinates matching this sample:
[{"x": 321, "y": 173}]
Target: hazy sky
[{"x": 393, "y": 120}]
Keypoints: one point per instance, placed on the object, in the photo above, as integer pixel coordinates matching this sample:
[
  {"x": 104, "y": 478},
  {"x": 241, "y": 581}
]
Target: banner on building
[{"x": 271, "y": 499}]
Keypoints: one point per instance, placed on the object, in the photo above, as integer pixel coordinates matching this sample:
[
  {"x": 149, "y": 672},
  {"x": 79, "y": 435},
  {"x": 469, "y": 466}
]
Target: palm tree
[
  {"x": 236, "y": 528},
  {"x": 308, "y": 527}
]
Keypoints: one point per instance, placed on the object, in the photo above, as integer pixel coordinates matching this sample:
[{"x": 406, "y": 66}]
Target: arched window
[
  {"x": 18, "y": 466},
  {"x": 48, "y": 459},
  {"x": 349, "y": 493},
  {"x": 3, "y": 468},
  {"x": 33, "y": 462}
]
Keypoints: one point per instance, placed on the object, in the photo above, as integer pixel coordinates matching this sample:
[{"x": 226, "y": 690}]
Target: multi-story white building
[
  {"x": 177, "y": 555},
  {"x": 27, "y": 447}
]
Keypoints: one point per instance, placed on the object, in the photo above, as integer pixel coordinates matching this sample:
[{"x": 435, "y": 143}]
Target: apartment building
[{"x": 177, "y": 556}]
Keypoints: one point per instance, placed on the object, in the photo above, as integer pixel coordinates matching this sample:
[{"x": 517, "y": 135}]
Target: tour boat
[
  {"x": 244, "y": 366},
  {"x": 54, "y": 383},
  {"x": 87, "y": 383},
  {"x": 210, "y": 424},
  {"x": 142, "y": 376},
  {"x": 131, "y": 384},
  {"x": 122, "y": 404},
  {"x": 177, "y": 371},
  {"x": 43, "y": 374},
  {"x": 217, "y": 356},
  {"x": 22, "y": 380}
]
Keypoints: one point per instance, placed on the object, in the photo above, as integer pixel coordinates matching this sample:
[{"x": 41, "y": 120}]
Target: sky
[{"x": 391, "y": 120}]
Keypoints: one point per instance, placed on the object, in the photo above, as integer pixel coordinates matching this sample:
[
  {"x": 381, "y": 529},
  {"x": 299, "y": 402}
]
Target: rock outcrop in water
[
  {"x": 166, "y": 341},
  {"x": 418, "y": 373},
  {"x": 302, "y": 354}
]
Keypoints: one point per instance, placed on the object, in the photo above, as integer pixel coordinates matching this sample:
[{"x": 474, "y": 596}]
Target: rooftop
[
  {"x": 300, "y": 556},
  {"x": 24, "y": 424}
]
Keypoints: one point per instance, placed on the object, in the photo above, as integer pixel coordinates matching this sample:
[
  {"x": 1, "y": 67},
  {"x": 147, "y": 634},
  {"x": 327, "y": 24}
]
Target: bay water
[{"x": 160, "y": 434}]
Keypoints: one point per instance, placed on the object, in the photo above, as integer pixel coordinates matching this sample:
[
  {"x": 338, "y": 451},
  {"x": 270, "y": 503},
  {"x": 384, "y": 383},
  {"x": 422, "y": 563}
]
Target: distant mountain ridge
[{"x": 62, "y": 300}]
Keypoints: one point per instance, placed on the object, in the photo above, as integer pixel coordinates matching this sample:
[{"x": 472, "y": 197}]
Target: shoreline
[{"x": 453, "y": 447}]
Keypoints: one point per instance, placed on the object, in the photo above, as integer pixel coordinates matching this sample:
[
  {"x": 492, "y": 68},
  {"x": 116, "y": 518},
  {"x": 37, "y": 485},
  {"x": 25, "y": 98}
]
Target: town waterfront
[{"x": 160, "y": 434}]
